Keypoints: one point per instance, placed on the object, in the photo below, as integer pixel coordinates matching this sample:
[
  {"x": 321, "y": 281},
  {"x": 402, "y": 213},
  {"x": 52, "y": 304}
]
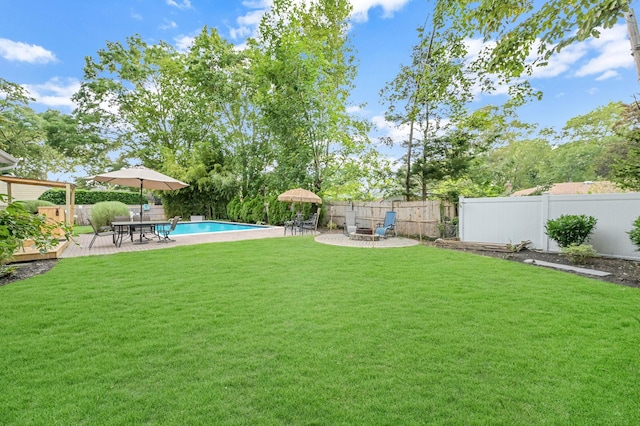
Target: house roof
[
  {"x": 6, "y": 158},
  {"x": 566, "y": 188}
]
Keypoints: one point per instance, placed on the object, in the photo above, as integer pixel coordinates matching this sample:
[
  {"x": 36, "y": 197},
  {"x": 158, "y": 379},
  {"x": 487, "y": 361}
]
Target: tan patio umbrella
[
  {"x": 142, "y": 177},
  {"x": 299, "y": 195}
]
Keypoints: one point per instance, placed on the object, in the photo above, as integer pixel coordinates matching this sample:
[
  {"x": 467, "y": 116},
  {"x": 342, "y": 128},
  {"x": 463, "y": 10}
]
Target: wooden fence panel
[{"x": 413, "y": 218}]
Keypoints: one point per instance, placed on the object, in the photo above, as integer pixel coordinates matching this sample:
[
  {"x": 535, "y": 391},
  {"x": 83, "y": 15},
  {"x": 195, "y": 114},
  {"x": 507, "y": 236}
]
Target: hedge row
[
  {"x": 83, "y": 196},
  {"x": 254, "y": 210}
]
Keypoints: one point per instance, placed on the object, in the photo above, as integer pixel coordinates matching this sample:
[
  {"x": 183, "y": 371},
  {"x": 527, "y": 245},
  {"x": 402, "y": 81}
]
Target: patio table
[{"x": 129, "y": 227}]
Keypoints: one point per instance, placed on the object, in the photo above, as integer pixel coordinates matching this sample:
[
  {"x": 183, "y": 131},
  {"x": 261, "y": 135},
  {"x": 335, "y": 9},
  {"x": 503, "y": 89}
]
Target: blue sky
[{"x": 43, "y": 44}]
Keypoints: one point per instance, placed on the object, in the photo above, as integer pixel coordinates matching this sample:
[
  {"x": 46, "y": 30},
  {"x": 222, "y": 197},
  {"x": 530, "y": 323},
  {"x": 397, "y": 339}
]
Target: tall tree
[
  {"x": 625, "y": 155},
  {"x": 307, "y": 72},
  {"x": 429, "y": 97},
  {"x": 22, "y": 135},
  {"x": 144, "y": 97}
]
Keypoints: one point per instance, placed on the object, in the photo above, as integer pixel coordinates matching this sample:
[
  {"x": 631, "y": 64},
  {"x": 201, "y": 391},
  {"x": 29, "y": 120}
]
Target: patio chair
[
  {"x": 163, "y": 230},
  {"x": 350, "y": 224},
  {"x": 103, "y": 231},
  {"x": 311, "y": 224},
  {"x": 294, "y": 225},
  {"x": 389, "y": 225}
]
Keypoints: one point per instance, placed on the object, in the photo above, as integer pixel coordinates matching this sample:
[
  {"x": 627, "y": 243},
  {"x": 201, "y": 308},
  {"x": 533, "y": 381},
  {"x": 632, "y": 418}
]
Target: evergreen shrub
[
  {"x": 634, "y": 234},
  {"x": 570, "y": 230}
]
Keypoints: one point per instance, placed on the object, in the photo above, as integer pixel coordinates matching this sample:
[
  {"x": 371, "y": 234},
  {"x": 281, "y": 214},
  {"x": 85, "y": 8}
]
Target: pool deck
[{"x": 104, "y": 245}]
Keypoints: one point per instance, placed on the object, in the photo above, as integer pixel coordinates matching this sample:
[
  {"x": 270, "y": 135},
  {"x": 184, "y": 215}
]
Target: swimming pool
[{"x": 205, "y": 227}]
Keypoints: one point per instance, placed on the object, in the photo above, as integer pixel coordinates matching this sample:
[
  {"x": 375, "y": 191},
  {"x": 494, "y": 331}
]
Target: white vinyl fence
[{"x": 515, "y": 219}]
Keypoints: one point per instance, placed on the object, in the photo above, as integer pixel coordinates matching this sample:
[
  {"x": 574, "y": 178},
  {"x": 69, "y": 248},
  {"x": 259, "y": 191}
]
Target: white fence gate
[{"x": 515, "y": 219}]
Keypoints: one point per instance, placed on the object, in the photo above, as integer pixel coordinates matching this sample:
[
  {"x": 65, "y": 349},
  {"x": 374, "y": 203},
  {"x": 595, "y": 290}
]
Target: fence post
[
  {"x": 461, "y": 218},
  {"x": 544, "y": 239}
]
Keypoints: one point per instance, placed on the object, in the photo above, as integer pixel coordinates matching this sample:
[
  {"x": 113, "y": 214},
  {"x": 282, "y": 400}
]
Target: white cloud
[
  {"x": 593, "y": 91},
  {"x": 607, "y": 75},
  {"x": 354, "y": 109},
  {"x": 183, "y": 43},
  {"x": 248, "y": 23},
  {"x": 23, "y": 52},
  {"x": 168, "y": 25},
  {"x": 184, "y": 4},
  {"x": 136, "y": 16},
  {"x": 361, "y": 8},
  {"x": 561, "y": 62},
  {"x": 611, "y": 51},
  {"x": 54, "y": 93}
]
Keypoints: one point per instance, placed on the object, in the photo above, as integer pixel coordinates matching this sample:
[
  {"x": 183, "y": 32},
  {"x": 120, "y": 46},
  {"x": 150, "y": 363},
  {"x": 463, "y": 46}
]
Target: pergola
[{"x": 70, "y": 188}]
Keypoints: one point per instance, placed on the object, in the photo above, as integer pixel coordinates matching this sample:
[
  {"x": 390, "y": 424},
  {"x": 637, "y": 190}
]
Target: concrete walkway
[{"x": 104, "y": 245}]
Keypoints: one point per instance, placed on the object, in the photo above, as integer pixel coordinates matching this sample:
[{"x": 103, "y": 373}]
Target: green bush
[
  {"x": 18, "y": 225},
  {"x": 102, "y": 213},
  {"x": 32, "y": 205},
  {"x": 570, "y": 229},
  {"x": 252, "y": 210},
  {"x": 579, "y": 254},
  {"x": 84, "y": 197},
  {"x": 233, "y": 209},
  {"x": 634, "y": 234}
]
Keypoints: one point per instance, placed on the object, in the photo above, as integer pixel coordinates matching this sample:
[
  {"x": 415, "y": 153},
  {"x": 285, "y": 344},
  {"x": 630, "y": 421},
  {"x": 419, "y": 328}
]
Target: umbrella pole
[
  {"x": 141, "y": 207},
  {"x": 141, "y": 182}
]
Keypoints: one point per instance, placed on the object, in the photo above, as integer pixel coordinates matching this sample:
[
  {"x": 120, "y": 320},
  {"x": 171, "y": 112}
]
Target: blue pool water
[{"x": 187, "y": 228}]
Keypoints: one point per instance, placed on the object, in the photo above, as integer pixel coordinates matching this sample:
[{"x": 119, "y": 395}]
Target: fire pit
[
  {"x": 364, "y": 234},
  {"x": 364, "y": 231}
]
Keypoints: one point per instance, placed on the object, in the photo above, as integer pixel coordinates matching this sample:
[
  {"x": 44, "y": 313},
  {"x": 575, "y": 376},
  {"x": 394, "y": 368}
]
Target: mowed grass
[{"x": 289, "y": 331}]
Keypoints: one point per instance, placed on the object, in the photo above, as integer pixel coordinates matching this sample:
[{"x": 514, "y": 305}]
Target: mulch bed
[{"x": 623, "y": 272}]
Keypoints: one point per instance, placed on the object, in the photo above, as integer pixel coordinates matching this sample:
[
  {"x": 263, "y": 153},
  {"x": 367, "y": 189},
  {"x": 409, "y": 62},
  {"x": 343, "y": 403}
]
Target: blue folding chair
[{"x": 389, "y": 225}]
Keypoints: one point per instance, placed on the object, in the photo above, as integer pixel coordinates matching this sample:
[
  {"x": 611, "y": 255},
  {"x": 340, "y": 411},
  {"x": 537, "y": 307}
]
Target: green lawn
[{"x": 289, "y": 331}]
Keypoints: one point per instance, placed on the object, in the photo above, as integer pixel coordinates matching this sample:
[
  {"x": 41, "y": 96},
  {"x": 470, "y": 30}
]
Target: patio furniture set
[
  {"x": 382, "y": 230},
  {"x": 137, "y": 230}
]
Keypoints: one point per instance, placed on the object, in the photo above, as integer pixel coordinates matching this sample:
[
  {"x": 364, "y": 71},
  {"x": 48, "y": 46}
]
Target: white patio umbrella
[{"x": 142, "y": 177}]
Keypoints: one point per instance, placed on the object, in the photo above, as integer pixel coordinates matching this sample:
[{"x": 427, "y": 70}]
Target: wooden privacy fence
[{"x": 413, "y": 218}]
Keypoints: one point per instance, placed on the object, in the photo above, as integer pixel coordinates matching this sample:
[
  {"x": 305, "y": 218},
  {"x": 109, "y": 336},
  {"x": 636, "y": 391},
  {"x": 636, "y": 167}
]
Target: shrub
[
  {"x": 102, "y": 214},
  {"x": 570, "y": 229},
  {"x": 32, "y": 205},
  {"x": 233, "y": 209},
  {"x": 252, "y": 210},
  {"x": 579, "y": 254},
  {"x": 634, "y": 234},
  {"x": 18, "y": 225}
]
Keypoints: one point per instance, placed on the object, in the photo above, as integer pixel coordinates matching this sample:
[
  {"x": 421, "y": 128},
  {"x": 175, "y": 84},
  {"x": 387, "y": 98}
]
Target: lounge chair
[
  {"x": 389, "y": 225},
  {"x": 311, "y": 224},
  {"x": 163, "y": 230},
  {"x": 103, "y": 231},
  {"x": 350, "y": 224}
]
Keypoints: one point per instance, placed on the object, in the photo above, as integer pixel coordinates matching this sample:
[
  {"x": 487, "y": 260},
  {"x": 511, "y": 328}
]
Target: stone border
[{"x": 343, "y": 240}]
